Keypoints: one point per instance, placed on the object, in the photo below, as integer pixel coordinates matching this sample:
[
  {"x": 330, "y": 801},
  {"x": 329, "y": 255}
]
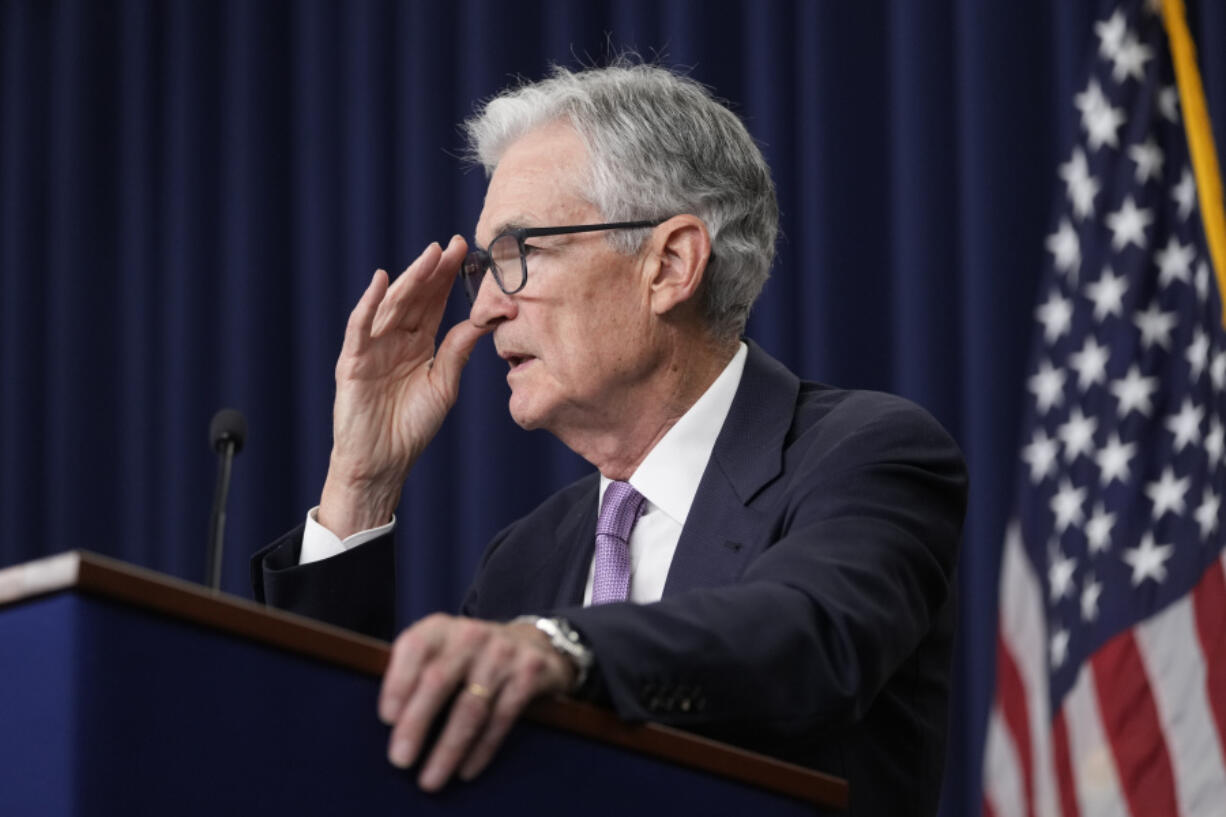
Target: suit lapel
[
  {"x": 720, "y": 533},
  {"x": 719, "y": 538},
  {"x": 576, "y": 542}
]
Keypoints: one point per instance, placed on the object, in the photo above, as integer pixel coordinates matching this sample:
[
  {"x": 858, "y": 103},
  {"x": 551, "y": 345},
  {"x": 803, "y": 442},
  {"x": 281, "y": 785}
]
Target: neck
[{"x": 647, "y": 411}]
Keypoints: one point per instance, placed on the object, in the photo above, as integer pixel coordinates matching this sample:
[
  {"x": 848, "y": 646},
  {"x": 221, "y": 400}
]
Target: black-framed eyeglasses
[{"x": 507, "y": 255}]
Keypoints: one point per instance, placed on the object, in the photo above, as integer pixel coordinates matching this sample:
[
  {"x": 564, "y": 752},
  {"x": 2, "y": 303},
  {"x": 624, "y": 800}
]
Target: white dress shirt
[{"x": 667, "y": 478}]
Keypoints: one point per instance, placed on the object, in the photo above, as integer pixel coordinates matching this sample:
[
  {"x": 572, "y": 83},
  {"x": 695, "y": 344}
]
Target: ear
[{"x": 681, "y": 248}]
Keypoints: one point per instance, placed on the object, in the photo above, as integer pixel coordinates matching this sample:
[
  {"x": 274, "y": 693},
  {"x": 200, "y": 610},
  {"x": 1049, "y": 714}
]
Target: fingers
[
  {"x": 429, "y": 668},
  {"x": 466, "y": 722},
  {"x": 497, "y": 672},
  {"x": 418, "y": 681},
  {"x": 471, "y": 712},
  {"x": 397, "y": 300},
  {"x": 419, "y": 295},
  {"x": 512, "y": 699},
  {"x": 410, "y": 651},
  {"x": 453, "y": 353},
  {"x": 361, "y": 319},
  {"x": 370, "y": 317}
]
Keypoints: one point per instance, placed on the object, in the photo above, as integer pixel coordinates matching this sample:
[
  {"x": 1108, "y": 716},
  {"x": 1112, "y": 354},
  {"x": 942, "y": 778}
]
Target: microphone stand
[
  {"x": 227, "y": 433},
  {"x": 217, "y": 518}
]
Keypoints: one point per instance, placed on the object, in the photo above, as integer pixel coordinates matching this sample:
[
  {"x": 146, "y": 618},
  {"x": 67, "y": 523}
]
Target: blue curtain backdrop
[{"x": 193, "y": 195}]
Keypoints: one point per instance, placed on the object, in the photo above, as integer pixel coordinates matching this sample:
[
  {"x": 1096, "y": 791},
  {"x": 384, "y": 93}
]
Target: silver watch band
[{"x": 567, "y": 642}]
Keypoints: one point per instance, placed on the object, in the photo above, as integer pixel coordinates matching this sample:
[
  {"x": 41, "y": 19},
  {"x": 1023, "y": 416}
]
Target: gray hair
[{"x": 660, "y": 144}]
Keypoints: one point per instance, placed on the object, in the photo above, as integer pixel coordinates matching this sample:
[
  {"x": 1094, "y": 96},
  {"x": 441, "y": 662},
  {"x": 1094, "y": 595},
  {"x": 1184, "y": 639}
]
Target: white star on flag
[
  {"x": 1090, "y": 363},
  {"x": 1168, "y": 104},
  {"x": 1100, "y": 121},
  {"x": 1148, "y": 158},
  {"x": 1217, "y": 371},
  {"x": 1113, "y": 460},
  {"x": 1077, "y": 434},
  {"x": 1059, "y": 647},
  {"x": 1067, "y": 505},
  {"x": 1089, "y": 599},
  {"x": 1197, "y": 354},
  {"x": 1129, "y": 60},
  {"x": 1215, "y": 442},
  {"x": 1202, "y": 281},
  {"x": 1148, "y": 560},
  {"x": 1056, "y": 316},
  {"x": 1098, "y": 529},
  {"x": 1133, "y": 392},
  {"x": 1040, "y": 455},
  {"x": 1207, "y": 513},
  {"x": 1107, "y": 293},
  {"x": 1155, "y": 326},
  {"x": 1060, "y": 574},
  {"x": 1184, "y": 193},
  {"x": 1081, "y": 188},
  {"x": 1064, "y": 245},
  {"x": 1175, "y": 262},
  {"x": 1111, "y": 34},
  {"x": 1167, "y": 493},
  {"x": 1128, "y": 225},
  {"x": 1185, "y": 426},
  {"x": 1048, "y": 387}
]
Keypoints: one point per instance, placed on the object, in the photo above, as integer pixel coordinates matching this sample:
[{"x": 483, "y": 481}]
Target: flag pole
[{"x": 1200, "y": 137}]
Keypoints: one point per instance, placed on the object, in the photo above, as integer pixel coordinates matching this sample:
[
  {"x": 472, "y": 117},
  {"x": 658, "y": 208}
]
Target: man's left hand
[{"x": 498, "y": 669}]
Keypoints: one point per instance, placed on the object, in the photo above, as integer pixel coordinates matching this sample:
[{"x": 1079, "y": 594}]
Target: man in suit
[{"x": 759, "y": 559}]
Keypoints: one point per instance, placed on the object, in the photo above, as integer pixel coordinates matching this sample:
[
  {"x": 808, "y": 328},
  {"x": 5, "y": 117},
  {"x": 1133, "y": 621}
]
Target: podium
[{"x": 123, "y": 691}]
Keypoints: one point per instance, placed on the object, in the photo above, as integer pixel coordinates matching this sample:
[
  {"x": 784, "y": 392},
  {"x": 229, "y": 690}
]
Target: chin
[{"x": 526, "y": 415}]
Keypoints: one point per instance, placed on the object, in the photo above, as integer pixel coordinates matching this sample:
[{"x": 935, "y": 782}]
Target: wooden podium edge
[{"x": 119, "y": 581}]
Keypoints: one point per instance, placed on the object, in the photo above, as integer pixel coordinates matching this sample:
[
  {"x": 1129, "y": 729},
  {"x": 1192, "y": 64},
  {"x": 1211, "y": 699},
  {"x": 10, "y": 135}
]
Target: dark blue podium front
[{"x": 111, "y": 706}]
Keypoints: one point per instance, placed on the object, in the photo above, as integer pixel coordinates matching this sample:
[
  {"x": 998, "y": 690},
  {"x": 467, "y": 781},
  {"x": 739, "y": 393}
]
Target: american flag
[{"x": 1111, "y": 651}]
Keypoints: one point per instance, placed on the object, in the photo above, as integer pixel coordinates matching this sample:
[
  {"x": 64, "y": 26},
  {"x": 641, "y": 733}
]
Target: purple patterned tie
[{"x": 618, "y": 513}]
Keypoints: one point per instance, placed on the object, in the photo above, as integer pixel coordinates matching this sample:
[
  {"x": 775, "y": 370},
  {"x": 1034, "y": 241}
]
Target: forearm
[{"x": 347, "y": 506}]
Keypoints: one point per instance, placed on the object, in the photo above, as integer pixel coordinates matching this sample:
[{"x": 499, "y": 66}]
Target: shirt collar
[{"x": 669, "y": 475}]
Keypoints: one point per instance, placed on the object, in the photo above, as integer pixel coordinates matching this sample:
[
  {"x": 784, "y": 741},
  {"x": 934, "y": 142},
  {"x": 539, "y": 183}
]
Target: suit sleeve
[
  {"x": 858, "y": 574},
  {"x": 355, "y": 590}
]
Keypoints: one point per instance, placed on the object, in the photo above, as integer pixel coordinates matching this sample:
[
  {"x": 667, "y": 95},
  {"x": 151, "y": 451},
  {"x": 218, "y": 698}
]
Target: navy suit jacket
[{"x": 809, "y": 608}]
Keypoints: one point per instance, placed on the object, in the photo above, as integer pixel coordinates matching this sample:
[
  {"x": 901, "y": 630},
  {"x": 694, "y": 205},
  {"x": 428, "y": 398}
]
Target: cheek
[
  {"x": 598, "y": 327},
  {"x": 616, "y": 311}
]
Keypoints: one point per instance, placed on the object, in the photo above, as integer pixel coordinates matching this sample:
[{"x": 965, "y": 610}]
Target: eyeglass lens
[
  {"x": 502, "y": 258},
  {"x": 507, "y": 262}
]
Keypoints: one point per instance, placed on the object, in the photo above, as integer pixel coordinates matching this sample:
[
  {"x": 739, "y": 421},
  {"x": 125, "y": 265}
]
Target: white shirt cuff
[{"x": 319, "y": 543}]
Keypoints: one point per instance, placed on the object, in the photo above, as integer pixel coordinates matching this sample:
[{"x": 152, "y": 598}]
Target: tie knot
[{"x": 619, "y": 510}]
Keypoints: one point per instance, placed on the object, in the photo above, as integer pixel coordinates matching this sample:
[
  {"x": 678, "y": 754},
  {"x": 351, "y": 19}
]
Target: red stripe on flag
[
  {"x": 1064, "y": 767},
  {"x": 1131, "y": 723},
  {"x": 987, "y": 808},
  {"x": 1209, "y": 602},
  {"x": 1011, "y": 697}
]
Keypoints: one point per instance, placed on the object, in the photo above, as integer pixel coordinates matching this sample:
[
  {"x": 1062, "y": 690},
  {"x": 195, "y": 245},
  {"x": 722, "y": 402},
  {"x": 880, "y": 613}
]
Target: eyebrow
[{"x": 515, "y": 223}]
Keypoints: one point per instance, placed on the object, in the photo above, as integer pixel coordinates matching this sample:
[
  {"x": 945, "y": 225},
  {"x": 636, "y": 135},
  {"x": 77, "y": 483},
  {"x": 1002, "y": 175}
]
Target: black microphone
[{"x": 227, "y": 432}]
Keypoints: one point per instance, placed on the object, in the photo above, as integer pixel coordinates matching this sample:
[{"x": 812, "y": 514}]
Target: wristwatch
[{"x": 567, "y": 642}]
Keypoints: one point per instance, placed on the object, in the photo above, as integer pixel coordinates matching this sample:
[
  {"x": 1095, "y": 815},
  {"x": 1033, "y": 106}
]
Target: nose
[{"x": 492, "y": 306}]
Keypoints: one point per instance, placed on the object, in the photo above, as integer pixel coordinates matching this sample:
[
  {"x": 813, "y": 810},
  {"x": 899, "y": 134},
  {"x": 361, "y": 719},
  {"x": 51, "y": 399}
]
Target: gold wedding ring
[{"x": 479, "y": 691}]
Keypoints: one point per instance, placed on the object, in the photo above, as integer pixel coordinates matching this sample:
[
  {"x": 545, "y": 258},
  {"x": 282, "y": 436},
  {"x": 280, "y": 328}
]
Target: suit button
[
  {"x": 655, "y": 703},
  {"x": 686, "y": 704}
]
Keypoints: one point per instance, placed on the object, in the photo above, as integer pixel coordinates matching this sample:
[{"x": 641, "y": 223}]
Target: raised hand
[{"x": 393, "y": 388}]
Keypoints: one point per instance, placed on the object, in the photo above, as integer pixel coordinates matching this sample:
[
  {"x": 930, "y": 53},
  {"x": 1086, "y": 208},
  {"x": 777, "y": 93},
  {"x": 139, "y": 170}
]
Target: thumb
[{"x": 453, "y": 354}]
